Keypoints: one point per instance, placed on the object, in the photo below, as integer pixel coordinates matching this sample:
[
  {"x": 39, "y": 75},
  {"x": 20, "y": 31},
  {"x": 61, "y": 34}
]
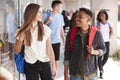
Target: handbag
[{"x": 19, "y": 61}]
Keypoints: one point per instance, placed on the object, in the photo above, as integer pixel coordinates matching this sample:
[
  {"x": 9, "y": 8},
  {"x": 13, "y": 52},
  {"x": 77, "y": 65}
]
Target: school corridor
[{"x": 111, "y": 68}]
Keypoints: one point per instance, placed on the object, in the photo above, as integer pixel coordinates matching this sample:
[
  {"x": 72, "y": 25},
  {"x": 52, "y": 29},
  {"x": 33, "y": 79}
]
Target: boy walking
[{"x": 81, "y": 58}]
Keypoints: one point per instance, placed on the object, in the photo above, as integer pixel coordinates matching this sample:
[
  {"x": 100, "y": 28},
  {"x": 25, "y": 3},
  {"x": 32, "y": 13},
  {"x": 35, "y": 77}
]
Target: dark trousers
[
  {"x": 103, "y": 59},
  {"x": 38, "y": 70}
]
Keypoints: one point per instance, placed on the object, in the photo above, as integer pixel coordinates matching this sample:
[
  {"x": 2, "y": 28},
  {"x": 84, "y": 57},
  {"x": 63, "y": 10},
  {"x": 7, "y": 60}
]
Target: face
[
  {"x": 39, "y": 15},
  {"x": 58, "y": 7},
  {"x": 102, "y": 16},
  {"x": 82, "y": 19}
]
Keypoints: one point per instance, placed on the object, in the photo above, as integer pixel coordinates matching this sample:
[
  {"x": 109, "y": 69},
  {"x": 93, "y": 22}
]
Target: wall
[
  {"x": 2, "y": 18},
  {"x": 72, "y": 4},
  {"x": 46, "y": 4}
]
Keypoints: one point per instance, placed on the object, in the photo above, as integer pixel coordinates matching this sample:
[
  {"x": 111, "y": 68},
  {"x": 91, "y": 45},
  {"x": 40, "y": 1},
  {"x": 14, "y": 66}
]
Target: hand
[
  {"x": 54, "y": 72},
  {"x": 90, "y": 49},
  {"x": 66, "y": 76},
  {"x": 49, "y": 20}
]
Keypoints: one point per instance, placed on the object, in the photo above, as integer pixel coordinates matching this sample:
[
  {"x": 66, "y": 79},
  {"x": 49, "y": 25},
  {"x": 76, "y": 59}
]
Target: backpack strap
[
  {"x": 48, "y": 15},
  {"x": 109, "y": 24},
  {"x": 72, "y": 36},
  {"x": 98, "y": 24},
  {"x": 92, "y": 33}
]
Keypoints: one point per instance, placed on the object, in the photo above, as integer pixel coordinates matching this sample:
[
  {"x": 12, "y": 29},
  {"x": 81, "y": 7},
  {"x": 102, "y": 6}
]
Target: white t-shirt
[
  {"x": 105, "y": 30},
  {"x": 37, "y": 50}
]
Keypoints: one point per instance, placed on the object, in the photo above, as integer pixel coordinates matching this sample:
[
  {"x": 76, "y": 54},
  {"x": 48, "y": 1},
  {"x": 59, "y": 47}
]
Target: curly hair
[{"x": 104, "y": 12}]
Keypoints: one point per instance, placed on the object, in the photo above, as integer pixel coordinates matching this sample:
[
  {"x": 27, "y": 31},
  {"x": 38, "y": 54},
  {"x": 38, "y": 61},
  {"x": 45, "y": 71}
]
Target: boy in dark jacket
[{"x": 82, "y": 60}]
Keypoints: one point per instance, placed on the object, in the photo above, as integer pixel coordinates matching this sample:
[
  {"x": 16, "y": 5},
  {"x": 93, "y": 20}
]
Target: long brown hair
[{"x": 29, "y": 16}]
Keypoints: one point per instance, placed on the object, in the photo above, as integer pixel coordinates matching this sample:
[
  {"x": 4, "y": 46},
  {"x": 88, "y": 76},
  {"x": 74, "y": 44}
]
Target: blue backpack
[{"x": 19, "y": 61}]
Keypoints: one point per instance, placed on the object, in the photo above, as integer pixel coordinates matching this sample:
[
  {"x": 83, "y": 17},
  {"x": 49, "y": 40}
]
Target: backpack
[
  {"x": 19, "y": 61},
  {"x": 91, "y": 37}
]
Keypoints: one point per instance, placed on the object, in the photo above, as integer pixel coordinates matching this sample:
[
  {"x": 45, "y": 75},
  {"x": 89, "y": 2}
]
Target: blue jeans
[{"x": 78, "y": 78}]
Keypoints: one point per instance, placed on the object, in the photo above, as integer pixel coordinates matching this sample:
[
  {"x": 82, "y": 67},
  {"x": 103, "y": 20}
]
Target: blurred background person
[
  {"x": 55, "y": 22},
  {"x": 66, "y": 19},
  {"x": 11, "y": 26},
  {"x": 73, "y": 20},
  {"x": 106, "y": 29}
]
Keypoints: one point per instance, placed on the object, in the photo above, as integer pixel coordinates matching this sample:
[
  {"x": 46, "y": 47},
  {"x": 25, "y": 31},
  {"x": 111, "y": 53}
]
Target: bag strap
[
  {"x": 98, "y": 24},
  {"x": 48, "y": 15},
  {"x": 92, "y": 33},
  {"x": 22, "y": 49},
  {"x": 109, "y": 24},
  {"x": 72, "y": 35}
]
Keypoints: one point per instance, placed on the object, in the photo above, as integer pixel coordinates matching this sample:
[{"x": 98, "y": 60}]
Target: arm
[
  {"x": 62, "y": 34},
  {"x": 46, "y": 18},
  {"x": 48, "y": 21},
  {"x": 92, "y": 51},
  {"x": 51, "y": 55},
  {"x": 66, "y": 74},
  {"x": 111, "y": 31},
  {"x": 100, "y": 45},
  {"x": 18, "y": 44},
  {"x": 67, "y": 56}
]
